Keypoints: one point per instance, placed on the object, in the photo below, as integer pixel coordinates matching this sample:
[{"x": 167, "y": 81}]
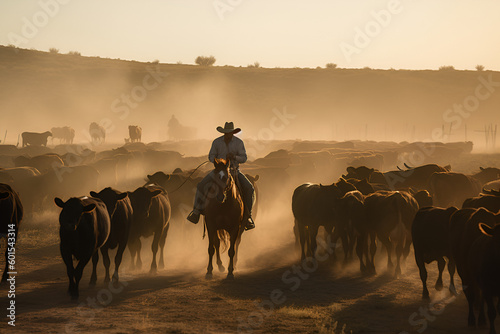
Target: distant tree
[
  {"x": 480, "y": 68},
  {"x": 254, "y": 65},
  {"x": 156, "y": 61},
  {"x": 367, "y": 68},
  {"x": 205, "y": 61},
  {"x": 74, "y": 53},
  {"x": 331, "y": 66},
  {"x": 53, "y": 50},
  {"x": 447, "y": 68},
  {"x": 179, "y": 62},
  {"x": 12, "y": 46}
]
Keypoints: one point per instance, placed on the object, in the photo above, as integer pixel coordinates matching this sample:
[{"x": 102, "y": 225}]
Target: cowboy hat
[{"x": 228, "y": 128}]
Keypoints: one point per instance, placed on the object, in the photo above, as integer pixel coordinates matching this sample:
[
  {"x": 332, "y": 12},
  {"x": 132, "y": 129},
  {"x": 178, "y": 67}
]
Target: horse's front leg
[
  {"x": 232, "y": 252},
  {"x": 211, "y": 251}
]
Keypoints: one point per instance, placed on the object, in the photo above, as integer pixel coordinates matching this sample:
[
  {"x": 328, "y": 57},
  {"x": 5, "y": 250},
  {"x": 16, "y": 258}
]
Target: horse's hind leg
[{"x": 217, "y": 252}]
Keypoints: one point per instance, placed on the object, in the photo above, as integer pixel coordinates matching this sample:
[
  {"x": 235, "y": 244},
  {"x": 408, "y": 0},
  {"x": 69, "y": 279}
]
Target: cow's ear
[
  {"x": 155, "y": 193},
  {"x": 89, "y": 207},
  {"x": 350, "y": 169},
  {"x": 448, "y": 168},
  {"x": 149, "y": 176},
  {"x": 485, "y": 229},
  {"x": 481, "y": 168},
  {"x": 256, "y": 178},
  {"x": 4, "y": 195},
  {"x": 59, "y": 202},
  {"x": 166, "y": 177},
  {"x": 342, "y": 180},
  {"x": 122, "y": 196},
  {"x": 372, "y": 170},
  {"x": 94, "y": 194}
]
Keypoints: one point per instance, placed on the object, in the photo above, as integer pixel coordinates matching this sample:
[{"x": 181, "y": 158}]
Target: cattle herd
[{"x": 364, "y": 206}]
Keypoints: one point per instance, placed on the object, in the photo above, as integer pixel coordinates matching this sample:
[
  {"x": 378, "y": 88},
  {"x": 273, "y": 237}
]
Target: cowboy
[{"x": 230, "y": 148}]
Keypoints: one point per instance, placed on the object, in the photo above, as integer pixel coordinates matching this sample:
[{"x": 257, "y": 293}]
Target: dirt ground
[{"x": 273, "y": 292}]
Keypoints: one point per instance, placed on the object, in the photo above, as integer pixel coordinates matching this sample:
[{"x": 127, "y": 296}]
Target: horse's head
[{"x": 222, "y": 178}]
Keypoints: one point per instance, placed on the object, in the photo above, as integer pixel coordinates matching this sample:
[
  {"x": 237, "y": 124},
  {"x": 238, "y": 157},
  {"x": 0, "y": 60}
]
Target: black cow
[
  {"x": 120, "y": 211},
  {"x": 483, "y": 263},
  {"x": 490, "y": 202},
  {"x": 390, "y": 215},
  {"x": 431, "y": 242},
  {"x": 84, "y": 228},
  {"x": 470, "y": 261},
  {"x": 35, "y": 138},
  {"x": 312, "y": 207},
  {"x": 454, "y": 188},
  {"x": 416, "y": 178},
  {"x": 151, "y": 216},
  {"x": 351, "y": 227},
  {"x": 11, "y": 214}
]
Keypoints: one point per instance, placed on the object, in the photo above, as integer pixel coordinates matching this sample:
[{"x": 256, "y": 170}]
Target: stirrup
[{"x": 193, "y": 217}]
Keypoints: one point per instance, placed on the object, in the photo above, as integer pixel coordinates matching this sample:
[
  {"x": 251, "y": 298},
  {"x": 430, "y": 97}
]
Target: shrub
[
  {"x": 254, "y": 65},
  {"x": 156, "y": 61},
  {"x": 447, "y": 68},
  {"x": 205, "y": 61},
  {"x": 179, "y": 62},
  {"x": 74, "y": 53},
  {"x": 53, "y": 50},
  {"x": 331, "y": 65},
  {"x": 480, "y": 68}
]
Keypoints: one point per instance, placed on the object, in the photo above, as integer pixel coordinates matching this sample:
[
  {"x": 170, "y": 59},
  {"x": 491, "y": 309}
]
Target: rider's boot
[{"x": 194, "y": 216}]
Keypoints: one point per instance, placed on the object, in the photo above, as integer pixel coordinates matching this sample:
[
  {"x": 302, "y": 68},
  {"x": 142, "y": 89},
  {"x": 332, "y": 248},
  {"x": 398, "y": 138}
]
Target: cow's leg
[
  {"x": 106, "y": 262},
  {"x": 335, "y": 238},
  {"x": 118, "y": 258},
  {"x": 399, "y": 253},
  {"x": 70, "y": 270},
  {"x": 345, "y": 245},
  {"x": 492, "y": 313},
  {"x": 154, "y": 248},
  {"x": 95, "y": 260},
  {"x": 408, "y": 241},
  {"x": 231, "y": 253},
  {"x": 481, "y": 318},
  {"x": 423, "y": 274},
  {"x": 138, "y": 248},
  {"x": 439, "y": 283},
  {"x": 132, "y": 247},
  {"x": 360, "y": 250},
  {"x": 78, "y": 275},
  {"x": 470, "y": 294},
  {"x": 211, "y": 251},
  {"x": 163, "y": 239},
  {"x": 302, "y": 236},
  {"x": 313, "y": 234},
  {"x": 388, "y": 246},
  {"x": 451, "y": 271},
  {"x": 373, "y": 250}
]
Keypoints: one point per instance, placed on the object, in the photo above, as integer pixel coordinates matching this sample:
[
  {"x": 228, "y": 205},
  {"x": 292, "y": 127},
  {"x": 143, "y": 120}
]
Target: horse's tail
[{"x": 224, "y": 237}]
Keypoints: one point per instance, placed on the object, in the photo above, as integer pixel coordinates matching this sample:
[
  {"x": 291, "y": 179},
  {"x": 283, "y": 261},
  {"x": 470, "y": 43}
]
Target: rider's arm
[
  {"x": 241, "y": 155},
  {"x": 213, "y": 152}
]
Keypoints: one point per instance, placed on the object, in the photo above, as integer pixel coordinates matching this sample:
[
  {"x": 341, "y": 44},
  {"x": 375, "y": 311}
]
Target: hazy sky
[{"x": 412, "y": 34}]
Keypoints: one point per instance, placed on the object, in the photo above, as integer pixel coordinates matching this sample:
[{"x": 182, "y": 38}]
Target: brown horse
[{"x": 223, "y": 215}]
